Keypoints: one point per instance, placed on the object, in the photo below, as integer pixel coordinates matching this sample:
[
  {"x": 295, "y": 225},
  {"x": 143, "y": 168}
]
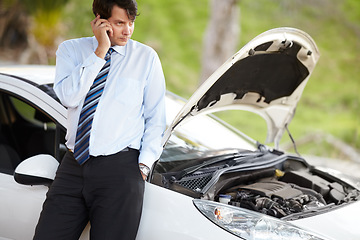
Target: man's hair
[{"x": 104, "y": 7}]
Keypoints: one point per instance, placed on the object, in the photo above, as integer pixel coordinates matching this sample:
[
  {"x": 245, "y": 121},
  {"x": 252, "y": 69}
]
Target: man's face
[{"x": 123, "y": 27}]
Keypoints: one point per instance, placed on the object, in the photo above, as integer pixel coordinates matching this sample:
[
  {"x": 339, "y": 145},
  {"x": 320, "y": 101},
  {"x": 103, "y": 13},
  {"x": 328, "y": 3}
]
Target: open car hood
[{"x": 267, "y": 77}]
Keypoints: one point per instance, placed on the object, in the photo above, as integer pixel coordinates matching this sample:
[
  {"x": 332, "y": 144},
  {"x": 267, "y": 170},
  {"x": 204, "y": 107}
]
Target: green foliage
[
  {"x": 34, "y": 6},
  {"x": 46, "y": 16},
  {"x": 77, "y": 17},
  {"x": 330, "y": 102},
  {"x": 7, "y": 3},
  {"x": 174, "y": 29}
]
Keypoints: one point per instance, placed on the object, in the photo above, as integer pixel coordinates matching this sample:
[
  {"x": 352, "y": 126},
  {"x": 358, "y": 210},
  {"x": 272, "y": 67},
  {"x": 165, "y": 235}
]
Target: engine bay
[
  {"x": 290, "y": 189},
  {"x": 288, "y": 193}
]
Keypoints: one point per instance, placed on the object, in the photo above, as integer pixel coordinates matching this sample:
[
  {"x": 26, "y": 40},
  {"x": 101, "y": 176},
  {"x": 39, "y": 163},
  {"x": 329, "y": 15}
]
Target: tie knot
[{"x": 109, "y": 52}]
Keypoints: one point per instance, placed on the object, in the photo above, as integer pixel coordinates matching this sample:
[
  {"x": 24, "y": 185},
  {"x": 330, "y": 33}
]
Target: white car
[{"x": 212, "y": 181}]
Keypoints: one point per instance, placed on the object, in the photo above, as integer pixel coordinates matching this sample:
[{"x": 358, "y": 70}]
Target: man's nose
[{"x": 127, "y": 29}]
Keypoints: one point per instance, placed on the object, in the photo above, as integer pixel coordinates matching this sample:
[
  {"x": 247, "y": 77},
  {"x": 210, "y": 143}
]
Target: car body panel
[
  {"x": 341, "y": 223},
  {"x": 164, "y": 217},
  {"x": 267, "y": 77},
  {"x": 20, "y": 207}
]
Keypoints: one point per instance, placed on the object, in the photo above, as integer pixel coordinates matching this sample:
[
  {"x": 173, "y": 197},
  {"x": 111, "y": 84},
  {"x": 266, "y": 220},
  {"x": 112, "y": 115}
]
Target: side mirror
[{"x": 36, "y": 170}]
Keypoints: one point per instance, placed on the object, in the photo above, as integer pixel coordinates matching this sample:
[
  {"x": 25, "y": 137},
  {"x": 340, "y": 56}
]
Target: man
[{"x": 114, "y": 140}]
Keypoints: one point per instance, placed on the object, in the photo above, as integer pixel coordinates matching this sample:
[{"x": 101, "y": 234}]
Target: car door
[{"x": 31, "y": 124}]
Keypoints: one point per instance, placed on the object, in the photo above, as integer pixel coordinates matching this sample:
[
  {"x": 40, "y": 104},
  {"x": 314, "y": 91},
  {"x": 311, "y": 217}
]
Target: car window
[
  {"x": 200, "y": 135},
  {"x": 25, "y": 131},
  {"x": 31, "y": 114}
]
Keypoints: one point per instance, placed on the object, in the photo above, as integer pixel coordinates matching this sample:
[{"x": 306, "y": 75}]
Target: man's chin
[{"x": 121, "y": 42}]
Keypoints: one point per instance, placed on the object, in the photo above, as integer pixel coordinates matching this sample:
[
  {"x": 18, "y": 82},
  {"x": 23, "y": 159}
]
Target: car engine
[
  {"x": 294, "y": 192},
  {"x": 289, "y": 190}
]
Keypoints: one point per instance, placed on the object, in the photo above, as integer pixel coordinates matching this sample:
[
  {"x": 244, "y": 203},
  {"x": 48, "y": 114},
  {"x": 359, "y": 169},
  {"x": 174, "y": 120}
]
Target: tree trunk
[{"x": 221, "y": 37}]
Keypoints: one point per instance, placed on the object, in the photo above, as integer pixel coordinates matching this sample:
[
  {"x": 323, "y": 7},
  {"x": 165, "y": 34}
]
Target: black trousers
[{"x": 107, "y": 191}]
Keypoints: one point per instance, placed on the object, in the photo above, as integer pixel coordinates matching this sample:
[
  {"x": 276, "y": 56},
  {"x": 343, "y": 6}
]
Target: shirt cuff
[{"x": 147, "y": 158}]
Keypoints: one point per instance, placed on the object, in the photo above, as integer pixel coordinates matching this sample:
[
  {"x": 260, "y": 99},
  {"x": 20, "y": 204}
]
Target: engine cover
[{"x": 273, "y": 188}]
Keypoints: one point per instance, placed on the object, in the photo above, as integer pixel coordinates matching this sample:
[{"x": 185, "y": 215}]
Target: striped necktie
[{"x": 81, "y": 151}]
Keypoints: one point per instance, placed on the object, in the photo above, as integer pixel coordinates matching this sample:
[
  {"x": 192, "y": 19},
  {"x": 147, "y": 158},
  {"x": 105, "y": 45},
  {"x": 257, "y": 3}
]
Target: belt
[{"x": 124, "y": 150}]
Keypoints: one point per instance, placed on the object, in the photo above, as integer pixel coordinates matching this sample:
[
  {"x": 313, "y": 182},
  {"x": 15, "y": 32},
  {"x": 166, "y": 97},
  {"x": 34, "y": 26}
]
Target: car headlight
[{"x": 251, "y": 225}]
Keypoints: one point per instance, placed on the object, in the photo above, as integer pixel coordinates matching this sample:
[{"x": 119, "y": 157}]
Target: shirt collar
[{"x": 119, "y": 49}]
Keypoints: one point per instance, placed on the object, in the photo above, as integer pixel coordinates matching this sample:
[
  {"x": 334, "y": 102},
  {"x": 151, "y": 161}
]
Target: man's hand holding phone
[{"x": 102, "y": 30}]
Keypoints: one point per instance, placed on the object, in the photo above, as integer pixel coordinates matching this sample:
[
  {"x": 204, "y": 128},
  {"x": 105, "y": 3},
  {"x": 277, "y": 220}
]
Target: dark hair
[{"x": 104, "y": 7}]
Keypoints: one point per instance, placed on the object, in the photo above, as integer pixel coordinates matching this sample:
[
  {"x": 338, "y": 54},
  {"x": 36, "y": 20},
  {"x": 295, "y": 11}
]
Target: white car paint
[{"x": 342, "y": 223}]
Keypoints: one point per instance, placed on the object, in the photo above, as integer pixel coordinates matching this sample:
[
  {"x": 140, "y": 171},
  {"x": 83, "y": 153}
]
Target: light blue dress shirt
[{"x": 131, "y": 111}]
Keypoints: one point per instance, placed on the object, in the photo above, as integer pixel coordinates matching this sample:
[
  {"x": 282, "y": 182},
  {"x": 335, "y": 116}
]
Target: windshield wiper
[{"x": 235, "y": 160}]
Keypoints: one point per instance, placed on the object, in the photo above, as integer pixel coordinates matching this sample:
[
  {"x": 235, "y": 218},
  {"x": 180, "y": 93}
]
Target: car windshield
[{"x": 204, "y": 135}]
